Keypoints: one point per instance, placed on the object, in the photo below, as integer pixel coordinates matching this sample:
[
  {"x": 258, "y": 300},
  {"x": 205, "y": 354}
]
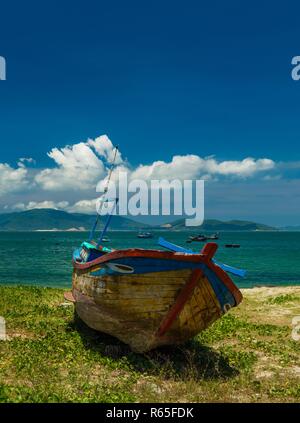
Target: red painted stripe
[
  {"x": 209, "y": 250},
  {"x": 205, "y": 257},
  {"x": 182, "y": 298},
  {"x": 136, "y": 252}
]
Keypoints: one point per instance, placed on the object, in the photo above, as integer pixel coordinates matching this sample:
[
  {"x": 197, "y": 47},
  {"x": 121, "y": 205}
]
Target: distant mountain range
[
  {"x": 291, "y": 228},
  {"x": 50, "y": 219},
  {"x": 214, "y": 225}
]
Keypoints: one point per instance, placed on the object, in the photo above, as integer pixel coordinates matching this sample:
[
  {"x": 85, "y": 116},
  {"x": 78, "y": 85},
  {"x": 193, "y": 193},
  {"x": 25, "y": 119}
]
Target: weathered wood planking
[
  {"x": 113, "y": 311},
  {"x": 146, "y": 310}
]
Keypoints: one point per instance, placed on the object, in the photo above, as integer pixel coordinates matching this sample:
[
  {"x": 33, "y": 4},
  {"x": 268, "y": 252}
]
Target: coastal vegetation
[
  {"x": 50, "y": 219},
  {"x": 51, "y": 356}
]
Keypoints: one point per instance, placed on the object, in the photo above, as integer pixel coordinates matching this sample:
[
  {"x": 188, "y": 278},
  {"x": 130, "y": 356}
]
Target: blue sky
[{"x": 161, "y": 79}]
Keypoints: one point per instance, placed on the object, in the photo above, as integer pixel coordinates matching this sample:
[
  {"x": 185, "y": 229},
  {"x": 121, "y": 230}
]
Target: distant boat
[
  {"x": 145, "y": 235},
  {"x": 198, "y": 238},
  {"x": 232, "y": 245},
  {"x": 202, "y": 237},
  {"x": 214, "y": 236},
  {"x": 105, "y": 239}
]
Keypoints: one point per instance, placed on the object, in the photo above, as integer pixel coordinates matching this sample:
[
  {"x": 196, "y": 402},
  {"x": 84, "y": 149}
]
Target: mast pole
[
  {"x": 107, "y": 223},
  {"x": 91, "y": 236}
]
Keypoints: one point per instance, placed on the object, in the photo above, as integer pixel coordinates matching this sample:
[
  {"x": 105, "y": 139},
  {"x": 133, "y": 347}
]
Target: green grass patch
[
  {"x": 53, "y": 357},
  {"x": 284, "y": 299}
]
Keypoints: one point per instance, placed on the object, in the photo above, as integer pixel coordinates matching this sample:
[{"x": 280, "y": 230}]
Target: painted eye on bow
[{"x": 226, "y": 307}]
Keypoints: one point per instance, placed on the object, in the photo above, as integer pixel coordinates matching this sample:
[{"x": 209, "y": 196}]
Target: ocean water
[{"x": 44, "y": 258}]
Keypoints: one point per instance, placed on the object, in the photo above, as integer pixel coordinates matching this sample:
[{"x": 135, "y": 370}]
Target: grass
[
  {"x": 51, "y": 356},
  {"x": 283, "y": 299}
]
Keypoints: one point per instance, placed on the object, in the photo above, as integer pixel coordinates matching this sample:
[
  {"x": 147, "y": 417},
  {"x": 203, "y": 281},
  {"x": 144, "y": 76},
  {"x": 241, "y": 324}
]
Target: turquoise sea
[{"x": 44, "y": 258}]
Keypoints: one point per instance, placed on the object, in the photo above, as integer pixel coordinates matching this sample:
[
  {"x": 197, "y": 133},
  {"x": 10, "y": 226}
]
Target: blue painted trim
[
  {"x": 147, "y": 265},
  {"x": 176, "y": 248}
]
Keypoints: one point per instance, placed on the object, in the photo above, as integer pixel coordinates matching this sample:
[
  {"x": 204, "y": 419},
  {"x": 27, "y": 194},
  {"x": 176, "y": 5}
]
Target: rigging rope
[{"x": 105, "y": 191}]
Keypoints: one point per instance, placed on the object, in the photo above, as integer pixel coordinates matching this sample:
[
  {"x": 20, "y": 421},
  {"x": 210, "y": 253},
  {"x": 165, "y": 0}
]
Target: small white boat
[{"x": 145, "y": 235}]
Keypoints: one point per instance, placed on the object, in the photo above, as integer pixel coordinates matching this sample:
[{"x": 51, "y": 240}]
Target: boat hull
[{"x": 155, "y": 304}]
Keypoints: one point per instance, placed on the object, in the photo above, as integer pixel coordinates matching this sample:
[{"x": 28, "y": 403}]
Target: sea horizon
[{"x": 44, "y": 258}]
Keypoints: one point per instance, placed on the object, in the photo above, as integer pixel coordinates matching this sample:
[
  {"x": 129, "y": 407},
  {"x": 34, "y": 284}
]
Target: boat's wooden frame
[{"x": 155, "y": 308}]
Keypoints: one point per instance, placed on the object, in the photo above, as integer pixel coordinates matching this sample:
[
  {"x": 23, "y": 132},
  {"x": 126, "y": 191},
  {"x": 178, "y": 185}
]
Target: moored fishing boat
[
  {"x": 199, "y": 238},
  {"x": 144, "y": 235},
  {"x": 214, "y": 236},
  {"x": 202, "y": 237}
]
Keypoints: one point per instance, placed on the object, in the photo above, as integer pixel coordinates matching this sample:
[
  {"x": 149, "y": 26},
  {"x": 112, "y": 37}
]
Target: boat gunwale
[
  {"x": 204, "y": 257},
  {"x": 140, "y": 252}
]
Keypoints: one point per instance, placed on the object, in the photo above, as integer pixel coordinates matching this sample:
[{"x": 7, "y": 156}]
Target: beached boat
[{"x": 149, "y": 298}]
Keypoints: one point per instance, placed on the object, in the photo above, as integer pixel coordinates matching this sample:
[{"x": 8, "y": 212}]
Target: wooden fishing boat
[
  {"x": 149, "y": 298},
  {"x": 202, "y": 237}
]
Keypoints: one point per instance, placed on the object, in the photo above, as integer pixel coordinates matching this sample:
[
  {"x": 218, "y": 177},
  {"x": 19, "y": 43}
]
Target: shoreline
[
  {"x": 154, "y": 229},
  {"x": 246, "y": 289}
]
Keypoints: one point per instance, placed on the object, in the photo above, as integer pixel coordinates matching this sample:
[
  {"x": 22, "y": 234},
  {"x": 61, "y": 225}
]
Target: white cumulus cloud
[
  {"x": 47, "y": 204},
  {"x": 105, "y": 148},
  {"x": 78, "y": 166},
  {"x": 82, "y": 167},
  {"x": 193, "y": 166},
  {"x": 23, "y": 160},
  {"x": 84, "y": 206},
  {"x": 12, "y": 179}
]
